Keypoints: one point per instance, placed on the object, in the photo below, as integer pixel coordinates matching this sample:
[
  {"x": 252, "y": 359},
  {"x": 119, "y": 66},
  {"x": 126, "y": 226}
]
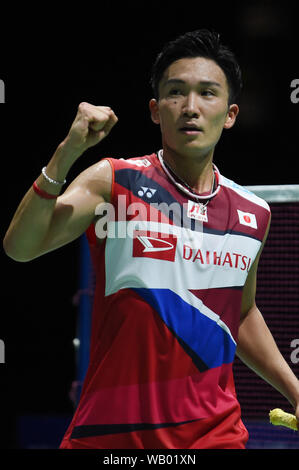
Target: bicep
[{"x": 75, "y": 208}]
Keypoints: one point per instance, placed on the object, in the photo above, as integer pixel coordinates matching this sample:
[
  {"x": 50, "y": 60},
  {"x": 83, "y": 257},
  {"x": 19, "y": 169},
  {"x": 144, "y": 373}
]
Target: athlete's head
[
  {"x": 196, "y": 81},
  {"x": 199, "y": 43}
]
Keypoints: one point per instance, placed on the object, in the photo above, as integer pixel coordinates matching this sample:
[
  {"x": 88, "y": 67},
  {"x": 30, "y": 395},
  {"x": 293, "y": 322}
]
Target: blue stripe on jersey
[
  {"x": 199, "y": 335},
  {"x": 135, "y": 180}
]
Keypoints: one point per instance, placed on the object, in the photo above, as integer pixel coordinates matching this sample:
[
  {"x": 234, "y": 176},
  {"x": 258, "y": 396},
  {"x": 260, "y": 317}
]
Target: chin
[{"x": 192, "y": 151}]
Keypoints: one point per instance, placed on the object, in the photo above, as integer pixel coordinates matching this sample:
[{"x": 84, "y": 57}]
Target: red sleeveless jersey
[{"x": 169, "y": 281}]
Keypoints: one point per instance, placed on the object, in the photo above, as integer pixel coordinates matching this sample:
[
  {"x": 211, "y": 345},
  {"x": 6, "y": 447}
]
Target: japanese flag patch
[{"x": 248, "y": 219}]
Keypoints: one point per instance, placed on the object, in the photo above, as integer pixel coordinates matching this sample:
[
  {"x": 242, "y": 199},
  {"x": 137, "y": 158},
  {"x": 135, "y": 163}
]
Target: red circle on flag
[{"x": 247, "y": 219}]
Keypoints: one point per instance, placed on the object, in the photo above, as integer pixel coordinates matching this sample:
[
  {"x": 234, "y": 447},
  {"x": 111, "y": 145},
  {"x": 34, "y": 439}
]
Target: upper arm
[
  {"x": 249, "y": 290},
  {"x": 75, "y": 208}
]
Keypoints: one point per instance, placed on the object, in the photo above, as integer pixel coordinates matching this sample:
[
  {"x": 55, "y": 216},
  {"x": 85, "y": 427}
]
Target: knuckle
[{"x": 82, "y": 106}]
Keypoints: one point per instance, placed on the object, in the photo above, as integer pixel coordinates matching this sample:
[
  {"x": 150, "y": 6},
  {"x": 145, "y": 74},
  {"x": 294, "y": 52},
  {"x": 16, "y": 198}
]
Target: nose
[{"x": 190, "y": 107}]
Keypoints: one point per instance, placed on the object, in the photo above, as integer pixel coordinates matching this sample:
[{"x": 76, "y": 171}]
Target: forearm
[
  {"x": 32, "y": 221},
  {"x": 258, "y": 350},
  {"x": 32, "y": 218}
]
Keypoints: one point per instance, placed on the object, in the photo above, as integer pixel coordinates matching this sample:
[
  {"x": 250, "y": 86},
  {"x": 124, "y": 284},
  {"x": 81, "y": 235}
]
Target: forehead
[{"x": 194, "y": 70}]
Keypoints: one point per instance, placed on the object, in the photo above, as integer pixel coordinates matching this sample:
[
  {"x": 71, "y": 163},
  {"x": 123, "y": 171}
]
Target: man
[{"x": 175, "y": 293}]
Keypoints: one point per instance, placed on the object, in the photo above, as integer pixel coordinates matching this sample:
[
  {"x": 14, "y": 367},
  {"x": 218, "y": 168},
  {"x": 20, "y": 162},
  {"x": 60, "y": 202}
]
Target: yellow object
[{"x": 279, "y": 417}]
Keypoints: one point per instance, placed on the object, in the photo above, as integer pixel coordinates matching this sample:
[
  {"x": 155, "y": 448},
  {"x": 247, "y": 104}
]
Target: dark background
[{"x": 53, "y": 60}]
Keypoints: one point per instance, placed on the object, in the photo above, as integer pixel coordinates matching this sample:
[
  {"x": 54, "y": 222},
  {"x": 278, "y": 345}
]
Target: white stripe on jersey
[
  {"x": 244, "y": 192},
  {"x": 125, "y": 271}
]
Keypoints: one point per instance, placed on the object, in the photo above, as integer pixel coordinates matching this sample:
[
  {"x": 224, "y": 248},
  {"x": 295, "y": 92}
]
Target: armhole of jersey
[
  {"x": 113, "y": 177},
  {"x": 91, "y": 235},
  {"x": 90, "y": 231}
]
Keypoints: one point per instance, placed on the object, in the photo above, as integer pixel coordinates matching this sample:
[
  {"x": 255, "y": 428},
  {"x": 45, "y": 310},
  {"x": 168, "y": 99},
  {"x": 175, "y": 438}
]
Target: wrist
[
  {"x": 61, "y": 162},
  {"x": 56, "y": 171},
  {"x": 294, "y": 396},
  {"x": 65, "y": 156},
  {"x": 68, "y": 152}
]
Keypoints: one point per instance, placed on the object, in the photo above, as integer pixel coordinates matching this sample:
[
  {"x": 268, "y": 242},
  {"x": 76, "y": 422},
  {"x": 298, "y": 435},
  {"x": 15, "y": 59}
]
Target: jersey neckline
[{"x": 178, "y": 185}]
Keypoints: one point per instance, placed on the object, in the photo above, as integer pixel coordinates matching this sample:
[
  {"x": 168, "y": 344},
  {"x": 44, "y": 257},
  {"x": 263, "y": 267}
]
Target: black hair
[{"x": 199, "y": 43}]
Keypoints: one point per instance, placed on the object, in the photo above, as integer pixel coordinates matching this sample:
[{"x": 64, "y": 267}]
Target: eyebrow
[{"x": 180, "y": 81}]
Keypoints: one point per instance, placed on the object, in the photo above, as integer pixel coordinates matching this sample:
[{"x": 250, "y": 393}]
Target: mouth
[{"x": 190, "y": 129}]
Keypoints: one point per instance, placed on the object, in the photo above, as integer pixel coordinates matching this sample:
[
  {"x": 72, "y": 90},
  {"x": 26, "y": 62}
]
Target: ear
[
  {"x": 154, "y": 109},
  {"x": 231, "y": 116}
]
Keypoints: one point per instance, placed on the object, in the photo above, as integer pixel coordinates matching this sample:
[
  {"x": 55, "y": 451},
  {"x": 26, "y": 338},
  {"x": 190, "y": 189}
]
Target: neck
[{"x": 196, "y": 172}]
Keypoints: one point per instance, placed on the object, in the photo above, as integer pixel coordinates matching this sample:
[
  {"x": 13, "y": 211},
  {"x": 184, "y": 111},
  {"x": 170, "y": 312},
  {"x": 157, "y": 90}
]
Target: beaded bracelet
[{"x": 50, "y": 180}]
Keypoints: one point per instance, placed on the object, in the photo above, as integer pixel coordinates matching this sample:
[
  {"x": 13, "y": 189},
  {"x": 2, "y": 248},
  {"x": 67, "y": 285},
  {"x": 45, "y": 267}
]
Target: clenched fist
[{"x": 91, "y": 125}]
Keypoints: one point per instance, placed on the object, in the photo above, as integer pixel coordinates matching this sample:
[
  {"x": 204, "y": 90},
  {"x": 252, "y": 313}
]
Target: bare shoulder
[{"x": 95, "y": 181}]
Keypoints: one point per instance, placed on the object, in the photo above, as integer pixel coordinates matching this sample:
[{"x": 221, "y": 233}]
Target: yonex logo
[
  {"x": 148, "y": 192},
  {"x": 154, "y": 245}
]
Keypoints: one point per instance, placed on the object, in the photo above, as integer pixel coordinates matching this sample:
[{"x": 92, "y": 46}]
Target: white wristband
[{"x": 50, "y": 180}]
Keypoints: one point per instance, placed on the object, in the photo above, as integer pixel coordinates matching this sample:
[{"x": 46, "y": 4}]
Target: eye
[
  {"x": 207, "y": 93},
  {"x": 175, "y": 92}
]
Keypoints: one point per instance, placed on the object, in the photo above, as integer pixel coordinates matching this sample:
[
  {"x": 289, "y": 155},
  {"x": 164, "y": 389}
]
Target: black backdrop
[{"x": 53, "y": 60}]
